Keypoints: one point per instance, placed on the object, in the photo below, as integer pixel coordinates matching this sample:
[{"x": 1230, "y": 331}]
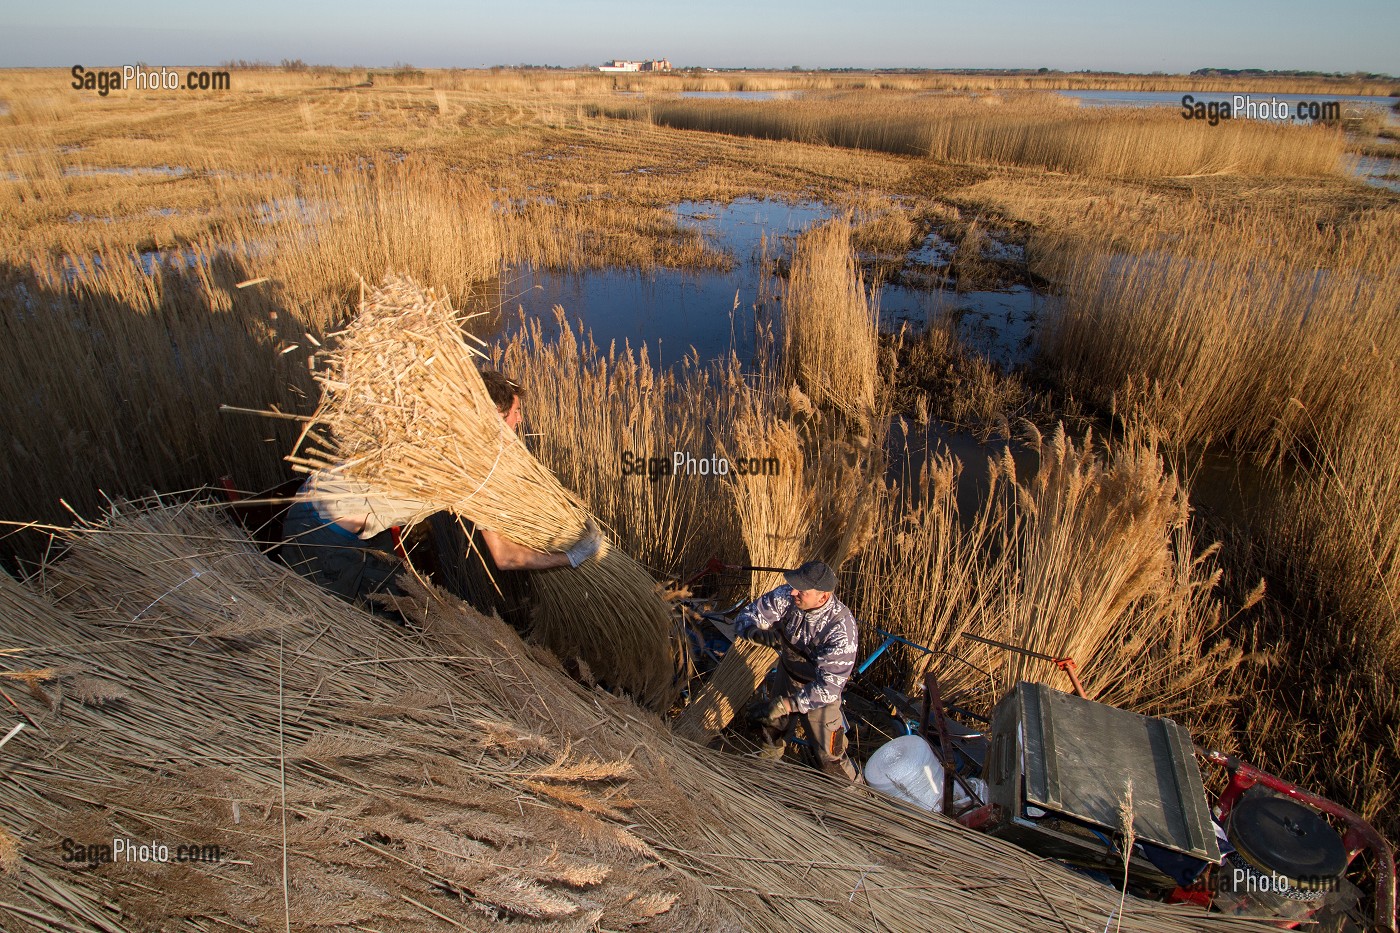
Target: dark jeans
[
  {"x": 825, "y": 727},
  {"x": 341, "y": 561}
]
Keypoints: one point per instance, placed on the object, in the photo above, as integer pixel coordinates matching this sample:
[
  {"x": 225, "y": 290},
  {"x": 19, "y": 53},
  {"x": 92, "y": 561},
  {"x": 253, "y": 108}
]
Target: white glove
[{"x": 585, "y": 547}]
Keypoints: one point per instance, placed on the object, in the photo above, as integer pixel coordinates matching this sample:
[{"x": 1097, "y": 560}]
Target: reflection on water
[
  {"x": 173, "y": 171},
  {"x": 740, "y": 226},
  {"x": 999, "y": 325},
  {"x": 670, "y": 310},
  {"x": 674, "y": 310},
  {"x": 934, "y": 252},
  {"x": 1381, "y": 171},
  {"x": 909, "y": 446}
]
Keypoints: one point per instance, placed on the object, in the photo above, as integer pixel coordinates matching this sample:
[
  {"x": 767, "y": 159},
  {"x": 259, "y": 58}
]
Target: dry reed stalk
[
  {"x": 1091, "y": 557},
  {"x": 587, "y": 409},
  {"x": 829, "y": 330},
  {"x": 930, "y": 573},
  {"x": 1209, "y": 334},
  {"x": 726, "y": 843},
  {"x": 1128, "y": 837},
  {"x": 146, "y": 418},
  {"x": 1272, "y": 332},
  {"x": 409, "y": 414},
  {"x": 728, "y": 689},
  {"x": 774, "y": 514},
  {"x": 1338, "y": 524},
  {"x": 1106, "y": 572},
  {"x": 334, "y": 226}
]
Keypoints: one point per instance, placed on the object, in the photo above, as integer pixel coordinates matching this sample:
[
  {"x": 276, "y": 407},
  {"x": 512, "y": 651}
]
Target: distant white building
[{"x": 655, "y": 64}]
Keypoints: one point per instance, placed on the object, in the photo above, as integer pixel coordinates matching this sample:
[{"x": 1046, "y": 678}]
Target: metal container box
[{"x": 1072, "y": 759}]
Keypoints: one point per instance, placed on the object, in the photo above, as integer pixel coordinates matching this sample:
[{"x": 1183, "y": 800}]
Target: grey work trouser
[
  {"x": 341, "y": 561},
  {"x": 825, "y": 727}
]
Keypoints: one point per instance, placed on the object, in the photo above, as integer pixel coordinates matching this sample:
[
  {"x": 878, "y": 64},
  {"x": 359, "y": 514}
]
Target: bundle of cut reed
[
  {"x": 363, "y": 781},
  {"x": 408, "y": 413},
  {"x": 829, "y": 331},
  {"x": 774, "y": 511}
]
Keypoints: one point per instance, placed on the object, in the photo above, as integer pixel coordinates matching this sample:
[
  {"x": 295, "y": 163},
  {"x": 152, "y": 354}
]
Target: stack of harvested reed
[
  {"x": 829, "y": 330},
  {"x": 364, "y": 782},
  {"x": 774, "y": 512},
  {"x": 187, "y": 691},
  {"x": 371, "y": 785},
  {"x": 409, "y": 414}
]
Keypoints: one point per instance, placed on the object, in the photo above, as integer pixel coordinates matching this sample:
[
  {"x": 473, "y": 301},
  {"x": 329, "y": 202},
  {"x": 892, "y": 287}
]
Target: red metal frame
[
  {"x": 1065, "y": 664},
  {"x": 715, "y": 565},
  {"x": 1071, "y": 670},
  {"x": 1360, "y": 835},
  {"x": 935, "y": 714}
]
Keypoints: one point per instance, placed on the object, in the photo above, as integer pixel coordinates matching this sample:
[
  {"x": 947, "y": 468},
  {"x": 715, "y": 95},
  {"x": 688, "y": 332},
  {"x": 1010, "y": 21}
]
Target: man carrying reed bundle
[
  {"x": 339, "y": 532},
  {"x": 404, "y": 409},
  {"x": 816, "y": 638}
]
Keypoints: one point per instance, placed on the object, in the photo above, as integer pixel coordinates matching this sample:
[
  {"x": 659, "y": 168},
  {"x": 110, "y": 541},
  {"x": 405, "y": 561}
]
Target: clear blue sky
[{"x": 1116, "y": 35}]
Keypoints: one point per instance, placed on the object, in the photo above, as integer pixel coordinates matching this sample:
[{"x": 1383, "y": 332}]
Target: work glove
[
  {"x": 777, "y": 712},
  {"x": 587, "y": 546},
  {"x": 764, "y": 636}
]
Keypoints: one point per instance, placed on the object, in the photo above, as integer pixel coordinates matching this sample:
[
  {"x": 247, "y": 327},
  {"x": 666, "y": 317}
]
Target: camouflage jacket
[{"x": 818, "y": 646}]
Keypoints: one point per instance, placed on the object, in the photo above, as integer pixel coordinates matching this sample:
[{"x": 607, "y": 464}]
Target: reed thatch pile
[
  {"x": 360, "y": 774},
  {"x": 407, "y": 412},
  {"x": 183, "y": 689}
]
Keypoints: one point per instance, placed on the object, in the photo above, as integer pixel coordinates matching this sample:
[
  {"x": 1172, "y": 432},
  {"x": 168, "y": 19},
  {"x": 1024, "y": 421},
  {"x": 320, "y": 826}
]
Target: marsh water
[{"x": 709, "y": 313}]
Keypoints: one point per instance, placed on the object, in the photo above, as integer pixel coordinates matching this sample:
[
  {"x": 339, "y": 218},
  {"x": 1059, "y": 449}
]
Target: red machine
[{"x": 1054, "y": 766}]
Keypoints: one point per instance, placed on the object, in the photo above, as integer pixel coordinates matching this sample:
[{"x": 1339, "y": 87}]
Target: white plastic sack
[{"x": 907, "y": 769}]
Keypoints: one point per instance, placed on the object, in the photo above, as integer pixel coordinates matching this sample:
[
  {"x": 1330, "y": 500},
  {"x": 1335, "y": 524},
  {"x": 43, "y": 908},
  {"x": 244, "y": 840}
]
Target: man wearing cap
[{"x": 815, "y": 635}]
